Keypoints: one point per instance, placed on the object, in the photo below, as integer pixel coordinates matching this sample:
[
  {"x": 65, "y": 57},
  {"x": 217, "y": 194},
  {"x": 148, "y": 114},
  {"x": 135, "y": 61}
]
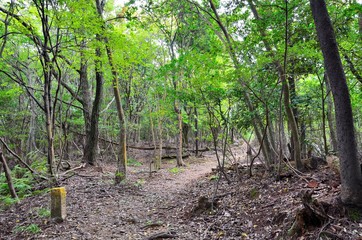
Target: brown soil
[{"x": 183, "y": 203}]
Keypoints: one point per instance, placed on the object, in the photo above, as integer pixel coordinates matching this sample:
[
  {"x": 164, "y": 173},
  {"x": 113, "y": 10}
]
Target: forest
[{"x": 184, "y": 119}]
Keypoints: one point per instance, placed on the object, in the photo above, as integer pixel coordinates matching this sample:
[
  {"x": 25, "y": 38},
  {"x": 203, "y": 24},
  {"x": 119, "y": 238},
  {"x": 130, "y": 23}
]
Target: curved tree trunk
[{"x": 351, "y": 177}]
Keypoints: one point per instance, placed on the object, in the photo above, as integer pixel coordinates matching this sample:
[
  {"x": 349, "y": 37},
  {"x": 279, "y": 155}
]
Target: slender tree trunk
[
  {"x": 330, "y": 117},
  {"x": 185, "y": 134},
  {"x": 122, "y": 156},
  {"x": 196, "y": 132},
  {"x": 155, "y": 154},
  {"x": 160, "y": 139},
  {"x": 360, "y": 23},
  {"x": 257, "y": 122},
  {"x": 48, "y": 113},
  {"x": 324, "y": 135},
  {"x": 351, "y": 176},
  {"x": 8, "y": 176},
  {"x": 85, "y": 94},
  {"x": 31, "y": 142},
  {"x": 286, "y": 92},
  {"x": 179, "y": 160}
]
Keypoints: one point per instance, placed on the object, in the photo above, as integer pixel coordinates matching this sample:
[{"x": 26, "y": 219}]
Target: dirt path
[
  {"x": 247, "y": 208},
  {"x": 136, "y": 210}
]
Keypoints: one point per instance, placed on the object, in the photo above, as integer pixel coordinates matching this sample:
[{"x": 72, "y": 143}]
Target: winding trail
[{"x": 142, "y": 207}]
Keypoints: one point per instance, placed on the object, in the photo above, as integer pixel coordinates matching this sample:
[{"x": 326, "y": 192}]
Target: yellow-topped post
[{"x": 58, "y": 206}]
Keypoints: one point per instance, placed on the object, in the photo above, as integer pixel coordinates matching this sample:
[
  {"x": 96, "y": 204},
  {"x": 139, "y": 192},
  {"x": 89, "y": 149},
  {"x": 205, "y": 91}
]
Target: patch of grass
[
  {"x": 32, "y": 228},
  {"x": 214, "y": 177},
  {"x": 354, "y": 214},
  {"x": 175, "y": 170},
  {"x": 254, "y": 193},
  {"x": 7, "y": 201},
  {"x": 139, "y": 183},
  {"x": 43, "y": 212},
  {"x": 133, "y": 162}
]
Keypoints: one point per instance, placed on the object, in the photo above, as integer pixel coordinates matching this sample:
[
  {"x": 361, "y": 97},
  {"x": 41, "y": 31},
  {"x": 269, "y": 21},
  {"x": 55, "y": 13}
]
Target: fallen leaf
[{"x": 313, "y": 184}]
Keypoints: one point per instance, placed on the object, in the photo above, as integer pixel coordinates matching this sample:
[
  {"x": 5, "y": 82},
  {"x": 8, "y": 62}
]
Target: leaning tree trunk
[
  {"x": 264, "y": 141},
  {"x": 122, "y": 155},
  {"x": 8, "y": 176},
  {"x": 351, "y": 176},
  {"x": 286, "y": 92}
]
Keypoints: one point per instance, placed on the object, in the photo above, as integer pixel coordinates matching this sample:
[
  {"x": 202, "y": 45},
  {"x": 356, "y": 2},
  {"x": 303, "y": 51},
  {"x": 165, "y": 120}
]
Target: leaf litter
[{"x": 194, "y": 203}]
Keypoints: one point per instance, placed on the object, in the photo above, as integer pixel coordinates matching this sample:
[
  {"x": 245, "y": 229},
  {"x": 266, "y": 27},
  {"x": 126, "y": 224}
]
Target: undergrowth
[{"x": 23, "y": 181}]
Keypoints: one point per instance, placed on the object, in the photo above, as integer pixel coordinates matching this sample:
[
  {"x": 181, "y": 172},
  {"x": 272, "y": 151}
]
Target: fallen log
[
  {"x": 175, "y": 156},
  {"x": 166, "y": 148}
]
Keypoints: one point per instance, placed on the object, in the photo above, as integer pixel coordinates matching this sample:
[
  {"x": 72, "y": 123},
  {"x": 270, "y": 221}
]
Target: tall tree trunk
[
  {"x": 331, "y": 123},
  {"x": 179, "y": 160},
  {"x": 324, "y": 134},
  {"x": 85, "y": 94},
  {"x": 196, "y": 132},
  {"x": 122, "y": 155},
  {"x": 351, "y": 176},
  {"x": 160, "y": 138},
  {"x": 48, "y": 111},
  {"x": 91, "y": 142},
  {"x": 31, "y": 141}
]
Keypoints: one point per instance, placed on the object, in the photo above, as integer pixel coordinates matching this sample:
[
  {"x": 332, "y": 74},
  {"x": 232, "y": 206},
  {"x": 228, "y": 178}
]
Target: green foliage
[
  {"x": 175, "y": 170},
  {"x": 254, "y": 193},
  {"x": 354, "y": 214},
  {"x": 43, "y": 212},
  {"x": 214, "y": 177},
  {"x": 31, "y": 228},
  {"x": 23, "y": 182},
  {"x": 139, "y": 183},
  {"x": 133, "y": 162}
]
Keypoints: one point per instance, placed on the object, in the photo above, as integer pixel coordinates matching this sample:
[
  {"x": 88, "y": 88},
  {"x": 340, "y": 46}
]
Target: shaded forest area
[{"x": 121, "y": 100}]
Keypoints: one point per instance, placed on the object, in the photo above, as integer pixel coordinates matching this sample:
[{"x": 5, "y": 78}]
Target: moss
[
  {"x": 254, "y": 193},
  {"x": 354, "y": 214}
]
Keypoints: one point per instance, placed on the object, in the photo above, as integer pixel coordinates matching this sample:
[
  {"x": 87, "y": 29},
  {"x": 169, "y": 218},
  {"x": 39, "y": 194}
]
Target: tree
[{"x": 350, "y": 170}]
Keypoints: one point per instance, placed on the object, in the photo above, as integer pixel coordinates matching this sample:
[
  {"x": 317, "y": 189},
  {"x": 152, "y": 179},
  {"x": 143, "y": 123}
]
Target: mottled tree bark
[{"x": 351, "y": 177}]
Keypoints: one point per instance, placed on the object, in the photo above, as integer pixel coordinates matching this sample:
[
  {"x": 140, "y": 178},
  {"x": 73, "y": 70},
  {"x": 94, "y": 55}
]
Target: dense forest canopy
[{"x": 88, "y": 79}]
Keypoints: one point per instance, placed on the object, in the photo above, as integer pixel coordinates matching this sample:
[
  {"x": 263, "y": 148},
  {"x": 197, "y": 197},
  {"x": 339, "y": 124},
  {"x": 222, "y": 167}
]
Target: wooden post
[{"x": 58, "y": 206}]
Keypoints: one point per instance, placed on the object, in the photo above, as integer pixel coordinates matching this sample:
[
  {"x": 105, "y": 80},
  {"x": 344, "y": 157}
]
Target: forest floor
[{"x": 182, "y": 203}]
